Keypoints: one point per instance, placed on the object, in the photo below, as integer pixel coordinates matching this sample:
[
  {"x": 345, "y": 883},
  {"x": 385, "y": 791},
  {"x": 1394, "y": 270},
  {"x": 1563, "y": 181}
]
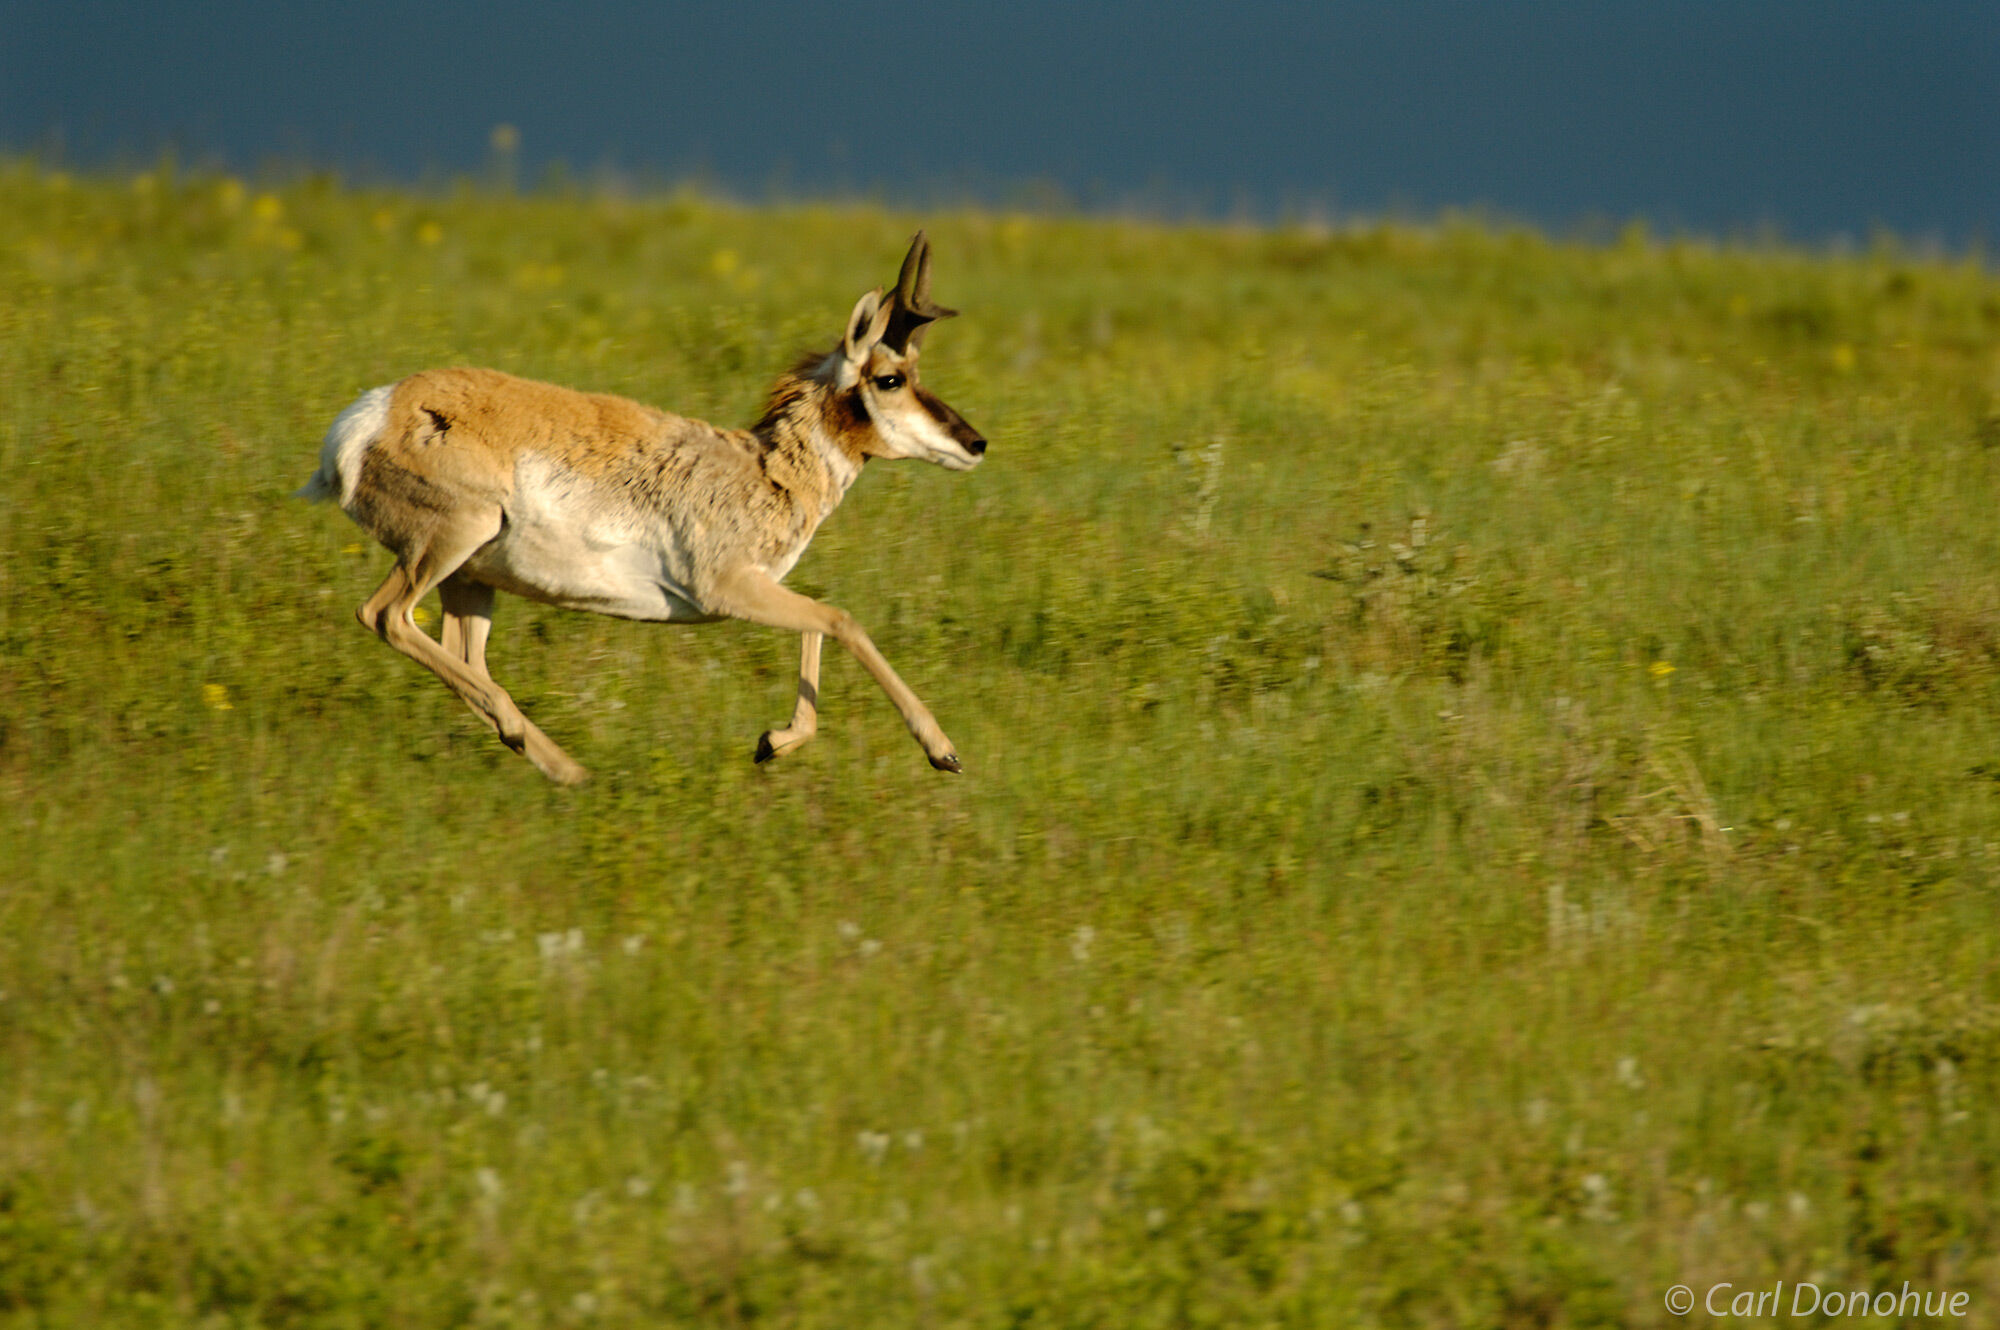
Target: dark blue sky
[{"x": 1822, "y": 117}]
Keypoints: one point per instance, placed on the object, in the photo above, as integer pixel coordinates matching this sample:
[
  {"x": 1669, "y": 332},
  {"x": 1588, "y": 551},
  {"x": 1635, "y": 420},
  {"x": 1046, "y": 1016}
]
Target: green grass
[{"x": 1482, "y": 761}]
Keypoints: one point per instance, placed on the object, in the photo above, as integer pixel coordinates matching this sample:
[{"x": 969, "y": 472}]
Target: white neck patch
[{"x": 843, "y": 469}]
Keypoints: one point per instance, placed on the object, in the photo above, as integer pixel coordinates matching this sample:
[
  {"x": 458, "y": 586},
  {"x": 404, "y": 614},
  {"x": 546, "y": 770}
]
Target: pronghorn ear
[{"x": 866, "y": 325}]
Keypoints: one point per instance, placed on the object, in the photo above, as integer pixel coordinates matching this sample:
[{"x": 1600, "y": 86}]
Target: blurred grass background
[{"x": 1481, "y": 782}]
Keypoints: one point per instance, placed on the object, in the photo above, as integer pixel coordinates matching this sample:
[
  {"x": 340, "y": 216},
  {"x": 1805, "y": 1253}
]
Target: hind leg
[
  {"x": 387, "y": 614},
  {"x": 462, "y": 605},
  {"x": 468, "y": 621}
]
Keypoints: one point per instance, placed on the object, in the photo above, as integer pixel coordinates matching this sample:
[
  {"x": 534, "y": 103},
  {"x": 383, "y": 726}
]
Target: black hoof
[
  {"x": 949, "y": 762},
  {"x": 764, "y": 750}
]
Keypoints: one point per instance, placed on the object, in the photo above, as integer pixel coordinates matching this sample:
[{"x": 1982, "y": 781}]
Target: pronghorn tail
[{"x": 347, "y": 441}]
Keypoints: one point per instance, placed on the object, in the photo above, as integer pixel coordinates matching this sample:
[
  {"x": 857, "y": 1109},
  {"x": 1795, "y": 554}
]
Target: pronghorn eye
[{"x": 888, "y": 383}]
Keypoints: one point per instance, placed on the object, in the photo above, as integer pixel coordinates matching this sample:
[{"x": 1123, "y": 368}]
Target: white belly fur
[{"x": 582, "y": 557}]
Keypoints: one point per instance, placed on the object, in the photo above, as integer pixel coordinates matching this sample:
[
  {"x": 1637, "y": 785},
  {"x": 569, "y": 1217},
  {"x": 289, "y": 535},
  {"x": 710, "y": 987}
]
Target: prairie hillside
[{"x": 1482, "y": 792}]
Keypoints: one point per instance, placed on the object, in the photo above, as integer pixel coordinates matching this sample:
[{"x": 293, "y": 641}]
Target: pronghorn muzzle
[{"x": 961, "y": 431}]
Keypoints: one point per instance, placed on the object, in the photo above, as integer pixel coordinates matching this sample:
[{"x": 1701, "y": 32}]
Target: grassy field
[{"x": 1482, "y": 791}]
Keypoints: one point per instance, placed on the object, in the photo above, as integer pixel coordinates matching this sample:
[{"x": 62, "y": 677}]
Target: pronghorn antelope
[{"x": 478, "y": 481}]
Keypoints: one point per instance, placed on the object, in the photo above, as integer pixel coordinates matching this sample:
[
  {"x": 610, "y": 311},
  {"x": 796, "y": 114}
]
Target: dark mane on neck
[
  {"x": 796, "y": 385},
  {"x": 808, "y": 362}
]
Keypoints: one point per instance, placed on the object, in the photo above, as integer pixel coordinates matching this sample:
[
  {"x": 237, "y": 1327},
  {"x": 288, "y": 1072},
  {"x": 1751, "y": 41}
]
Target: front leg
[
  {"x": 753, "y": 595},
  {"x": 805, "y": 716}
]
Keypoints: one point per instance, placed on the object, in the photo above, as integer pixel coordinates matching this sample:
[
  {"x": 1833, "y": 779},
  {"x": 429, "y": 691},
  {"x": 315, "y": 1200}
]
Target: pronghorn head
[{"x": 878, "y": 368}]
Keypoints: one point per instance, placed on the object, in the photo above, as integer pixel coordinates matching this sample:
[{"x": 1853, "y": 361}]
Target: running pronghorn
[{"x": 478, "y": 481}]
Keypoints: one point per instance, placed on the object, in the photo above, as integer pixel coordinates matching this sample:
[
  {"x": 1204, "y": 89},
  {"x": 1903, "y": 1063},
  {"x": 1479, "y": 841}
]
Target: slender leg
[
  {"x": 805, "y": 716},
  {"x": 752, "y": 595},
  {"x": 468, "y": 621},
  {"x": 387, "y": 615}
]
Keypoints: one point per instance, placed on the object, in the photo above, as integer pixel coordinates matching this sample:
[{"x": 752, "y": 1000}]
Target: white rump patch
[{"x": 347, "y": 442}]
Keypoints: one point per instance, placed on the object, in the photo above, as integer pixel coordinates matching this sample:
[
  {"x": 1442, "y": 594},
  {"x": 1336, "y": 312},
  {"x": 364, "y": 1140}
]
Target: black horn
[{"x": 913, "y": 309}]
